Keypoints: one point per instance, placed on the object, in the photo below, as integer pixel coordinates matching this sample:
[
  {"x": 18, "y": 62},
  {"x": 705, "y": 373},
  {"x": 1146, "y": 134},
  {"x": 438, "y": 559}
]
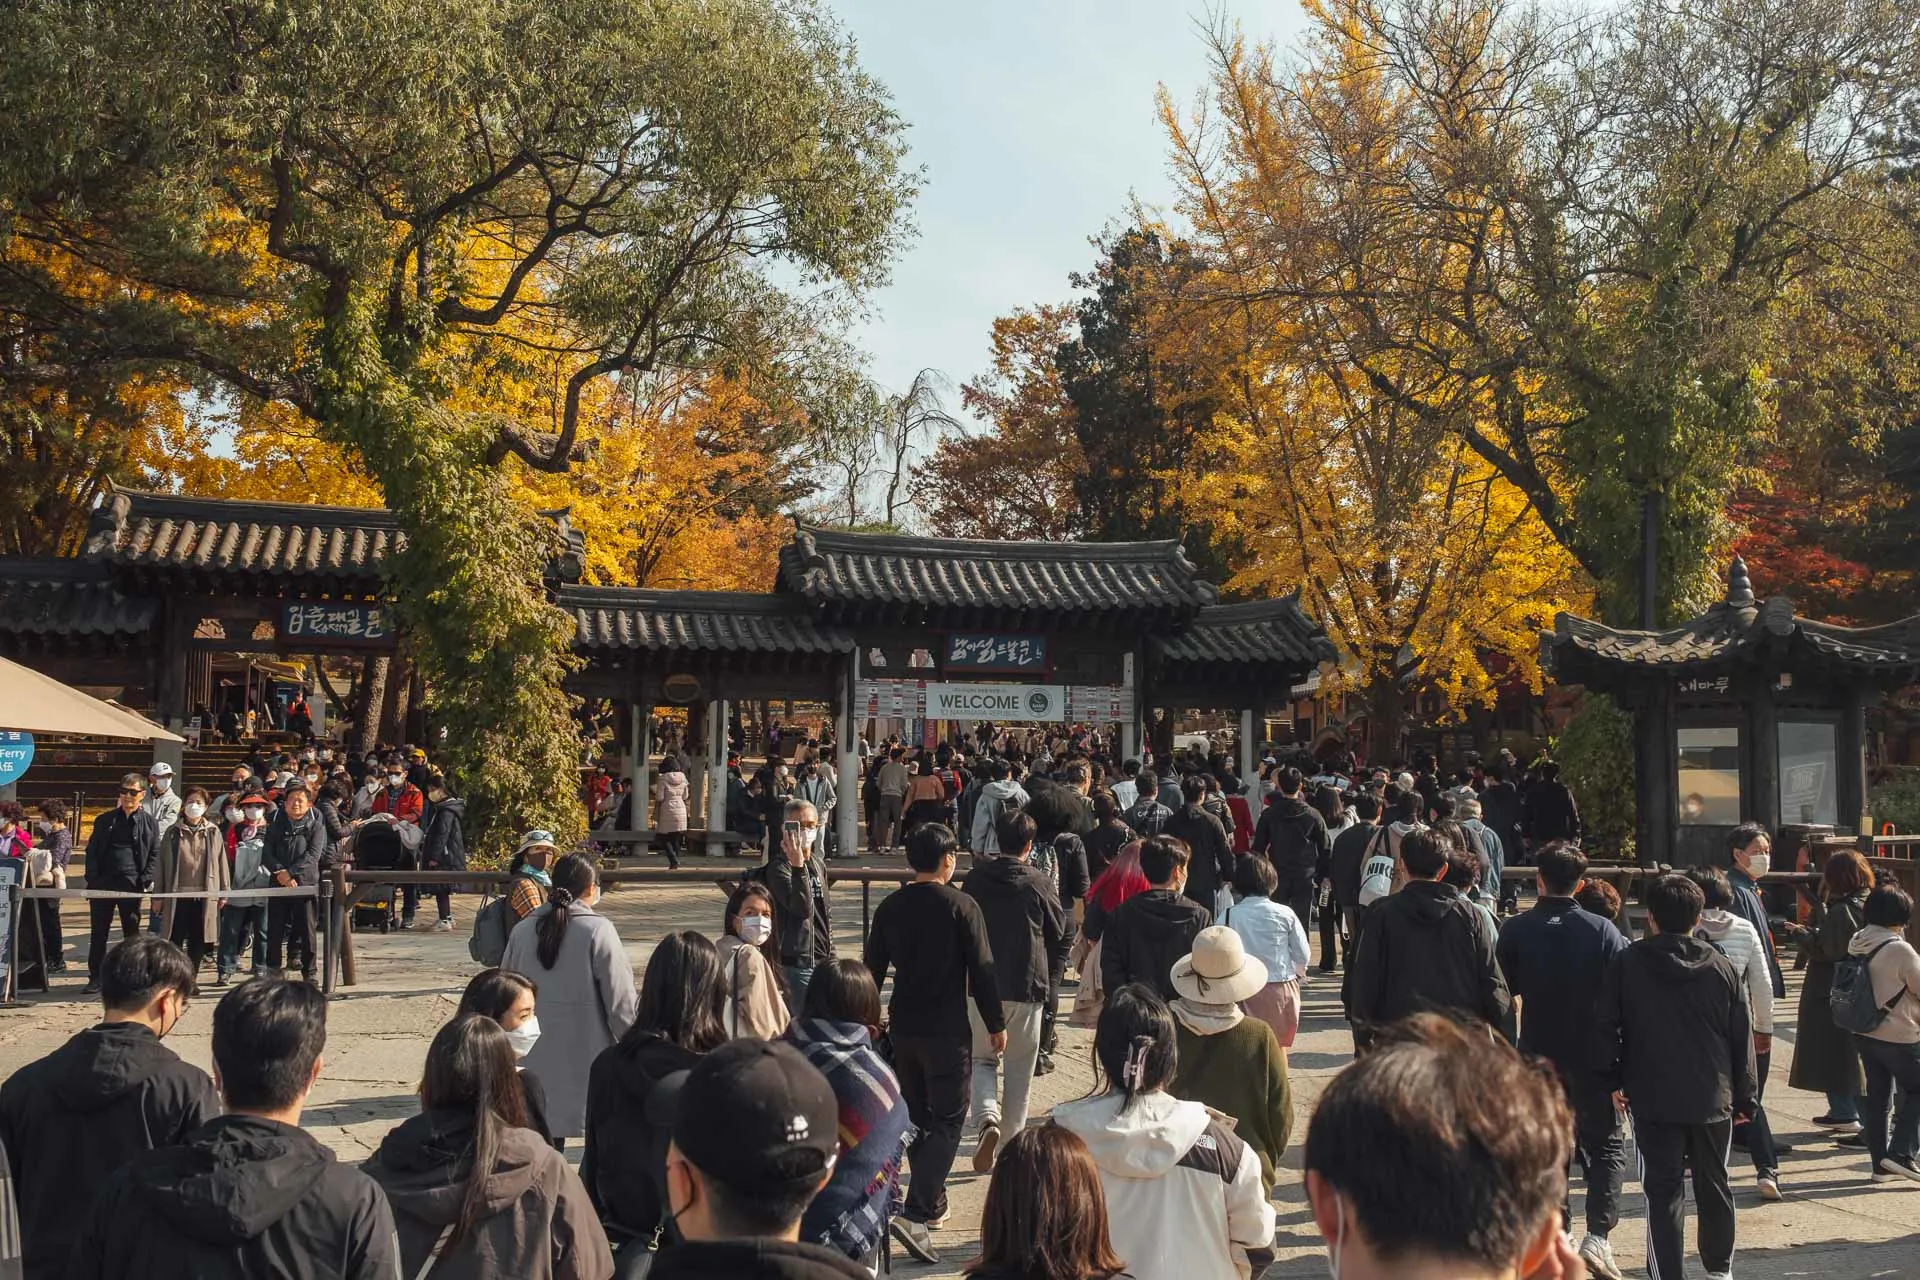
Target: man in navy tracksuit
[
  {"x": 1555, "y": 957},
  {"x": 1751, "y": 854}
]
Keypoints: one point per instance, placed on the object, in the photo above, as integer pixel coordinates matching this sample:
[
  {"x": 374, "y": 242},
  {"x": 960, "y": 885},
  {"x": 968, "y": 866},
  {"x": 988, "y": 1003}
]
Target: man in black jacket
[
  {"x": 70, "y": 1120},
  {"x": 251, "y": 1193},
  {"x": 296, "y": 851},
  {"x": 1425, "y": 948},
  {"x": 1293, "y": 836},
  {"x": 1210, "y": 862},
  {"x": 1550, "y": 813},
  {"x": 1502, "y": 809},
  {"x": 1555, "y": 958},
  {"x": 1674, "y": 1042},
  {"x": 936, "y": 938},
  {"x": 122, "y": 854},
  {"x": 1029, "y": 938},
  {"x": 1147, "y": 815},
  {"x": 1151, "y": 930},
  {"x": 801, "y": 909}
]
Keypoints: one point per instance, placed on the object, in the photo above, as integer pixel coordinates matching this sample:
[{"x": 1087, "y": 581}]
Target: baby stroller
[{"x": 382, "y": 844}]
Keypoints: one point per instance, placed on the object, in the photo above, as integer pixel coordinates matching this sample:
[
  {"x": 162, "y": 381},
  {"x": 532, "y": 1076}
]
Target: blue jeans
[
  {"x": 799, "y": 978},
  {"x": 1843, "y": 1106},
  {"x": 234, "y": 921},
  {"x": 1893, "y": 1084}
]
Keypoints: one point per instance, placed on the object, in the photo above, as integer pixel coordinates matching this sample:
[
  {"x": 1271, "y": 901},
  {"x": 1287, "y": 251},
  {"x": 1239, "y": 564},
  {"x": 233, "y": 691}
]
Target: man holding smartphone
[{"x": 798, "y": 880}]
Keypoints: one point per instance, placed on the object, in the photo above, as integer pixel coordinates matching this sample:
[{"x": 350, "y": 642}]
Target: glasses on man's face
[{"x": 129, "y": 791}]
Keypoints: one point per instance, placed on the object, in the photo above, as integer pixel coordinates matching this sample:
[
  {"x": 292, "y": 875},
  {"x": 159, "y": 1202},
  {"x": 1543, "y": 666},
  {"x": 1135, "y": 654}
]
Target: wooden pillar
[
  {"x": 1249, "y": 716},
  {"x": 716, "y": 776},
  {"x": 640, "y": 751},
  {"x": 846, "y": 812},
  {"x": 1760, "y": 796},
  {"x": 177, "y": 619},
  {"x": 1850, "y": 768},
  {"x": 1655, "y": 767}
]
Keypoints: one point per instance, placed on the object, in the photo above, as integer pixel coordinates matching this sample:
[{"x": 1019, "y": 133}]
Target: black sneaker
[
  {"x": 1892, "y": 1167},
  {"x": 91, "y": 989},
  {"x": 1043, "y": 1065},
  {"x": 1851, "y": 1140}
]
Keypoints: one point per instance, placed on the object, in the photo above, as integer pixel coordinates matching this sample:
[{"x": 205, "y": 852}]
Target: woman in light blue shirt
[{"x": 1272, "y": 933}]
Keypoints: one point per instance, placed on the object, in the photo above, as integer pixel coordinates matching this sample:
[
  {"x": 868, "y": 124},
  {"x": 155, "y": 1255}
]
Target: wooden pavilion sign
[
  {"x": 995, "y": 652},
  {"x": 336, "y": 624}
]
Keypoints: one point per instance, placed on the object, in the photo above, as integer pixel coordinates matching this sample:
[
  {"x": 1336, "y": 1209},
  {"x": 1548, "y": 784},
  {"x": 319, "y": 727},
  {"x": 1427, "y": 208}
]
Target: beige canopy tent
[{"x": 36, "y": 703}]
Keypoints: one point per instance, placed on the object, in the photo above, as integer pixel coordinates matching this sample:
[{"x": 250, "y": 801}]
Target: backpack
[
  {"x": 1376, "y": 873},
  {"x": 1851, "y": 1001},
  {"x": 491, "y": 925}
]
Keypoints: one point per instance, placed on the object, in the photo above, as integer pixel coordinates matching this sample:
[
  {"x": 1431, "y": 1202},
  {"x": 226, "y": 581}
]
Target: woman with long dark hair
[
  {"x": 475, "y": 1193},
  {"x": 677, "y": 1021},
  {"x": 587, "y": 997},
  {"x": 510, "y": 998},
  {"x": 835, "y": 1031},
  {"x": 756, "y": 1002},
  {"x": 1046, "y": 1216},
  {"x": 1170, "y": 1217}
]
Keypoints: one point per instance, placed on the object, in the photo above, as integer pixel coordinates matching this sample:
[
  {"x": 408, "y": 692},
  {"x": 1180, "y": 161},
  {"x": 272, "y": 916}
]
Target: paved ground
[{"x": 1834, "y": 1224}]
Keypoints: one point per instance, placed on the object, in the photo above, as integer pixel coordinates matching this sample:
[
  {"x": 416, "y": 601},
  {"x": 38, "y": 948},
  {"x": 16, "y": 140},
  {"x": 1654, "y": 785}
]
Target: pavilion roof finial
[{"x": 1739, "y": 585}]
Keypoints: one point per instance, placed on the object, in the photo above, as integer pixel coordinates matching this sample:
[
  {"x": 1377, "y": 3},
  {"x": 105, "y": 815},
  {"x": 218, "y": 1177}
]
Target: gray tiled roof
[
  {"x": 715, "y": 621},
  {"x": 1261, "y": 631},
  {"x": 68, "y": 598},
  {"x": 830, "y": 566},
  {"x": 166, "y": 531}
]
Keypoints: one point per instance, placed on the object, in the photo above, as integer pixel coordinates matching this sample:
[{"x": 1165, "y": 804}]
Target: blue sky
[{"x": 1035, "y": 125}]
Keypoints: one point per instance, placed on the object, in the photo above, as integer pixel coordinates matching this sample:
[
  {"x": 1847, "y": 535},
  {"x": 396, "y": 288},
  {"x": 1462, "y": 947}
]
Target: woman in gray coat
[{"x": 587, "y": 996}]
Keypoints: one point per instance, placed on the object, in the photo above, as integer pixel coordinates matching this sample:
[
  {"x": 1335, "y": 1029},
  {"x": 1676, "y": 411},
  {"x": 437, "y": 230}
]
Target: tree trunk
[
  {"x": 1386, "y": 718},
  {"x": 393, "y": 701},
  {"x": 373, "y": 702}
]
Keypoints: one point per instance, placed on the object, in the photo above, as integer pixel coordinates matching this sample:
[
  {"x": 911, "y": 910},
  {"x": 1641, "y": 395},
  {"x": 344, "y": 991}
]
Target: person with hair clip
[
  {"x": 475, "y": 1193},
  {"x": 1045, "y": 1218},
  {"x": 835, "y": 1032},
  {"x": 576, "y": 957},
  {"x": 676, "y": 1023},
  {"x": 1183, "y": 1193},
  {"x": 750, "y": 975},
  {"x": 509, "y": 999}
]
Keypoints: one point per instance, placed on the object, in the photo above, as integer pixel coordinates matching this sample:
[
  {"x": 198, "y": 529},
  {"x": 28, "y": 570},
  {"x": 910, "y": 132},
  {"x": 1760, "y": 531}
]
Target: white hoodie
[
  {"x": 1184, "y": 1199},
  {"x": 1740, "y": 943}
]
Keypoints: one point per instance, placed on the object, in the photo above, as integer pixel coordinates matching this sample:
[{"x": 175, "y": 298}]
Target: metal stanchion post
[{"x": 329, "y": 937}]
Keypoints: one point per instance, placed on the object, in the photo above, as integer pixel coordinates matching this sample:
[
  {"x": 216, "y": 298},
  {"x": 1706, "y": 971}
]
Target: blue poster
[{"x": 16, "y": 753}]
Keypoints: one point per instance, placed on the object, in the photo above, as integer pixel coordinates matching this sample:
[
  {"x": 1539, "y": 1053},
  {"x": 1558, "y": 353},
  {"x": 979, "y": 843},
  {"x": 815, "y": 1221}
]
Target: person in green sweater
[{"x": 1228, "y": 1061}]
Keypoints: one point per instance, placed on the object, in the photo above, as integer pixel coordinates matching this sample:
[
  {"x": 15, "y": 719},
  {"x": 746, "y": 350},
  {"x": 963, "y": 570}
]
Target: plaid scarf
[{"x": 850, "y": 1213}]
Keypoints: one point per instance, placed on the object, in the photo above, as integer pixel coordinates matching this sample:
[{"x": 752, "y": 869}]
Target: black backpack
[{"x": 1851, "y": 1001}]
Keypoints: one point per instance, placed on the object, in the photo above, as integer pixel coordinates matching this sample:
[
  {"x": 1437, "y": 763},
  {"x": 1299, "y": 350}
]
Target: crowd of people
[{"x": 757, "y": 1104}]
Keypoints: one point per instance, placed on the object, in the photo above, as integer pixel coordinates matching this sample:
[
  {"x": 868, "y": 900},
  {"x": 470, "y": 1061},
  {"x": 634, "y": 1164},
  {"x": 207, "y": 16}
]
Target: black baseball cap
[{"x": 754, "y": 1115}]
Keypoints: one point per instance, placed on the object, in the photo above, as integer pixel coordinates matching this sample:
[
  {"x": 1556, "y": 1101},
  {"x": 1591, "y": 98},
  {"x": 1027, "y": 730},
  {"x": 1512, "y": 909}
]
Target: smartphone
[{"x": 792, "y": 829}]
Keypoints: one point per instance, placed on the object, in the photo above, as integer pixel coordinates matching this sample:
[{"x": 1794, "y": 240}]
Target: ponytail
[{"x": 573, "y": 878}]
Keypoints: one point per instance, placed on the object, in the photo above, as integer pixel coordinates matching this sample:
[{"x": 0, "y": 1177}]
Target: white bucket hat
[{"x": 1218, "y": 970}]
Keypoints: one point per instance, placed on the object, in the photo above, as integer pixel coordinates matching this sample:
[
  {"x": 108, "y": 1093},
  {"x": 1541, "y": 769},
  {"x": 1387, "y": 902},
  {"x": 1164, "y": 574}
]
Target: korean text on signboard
[
  {"x": 368, "y": 624},
  {"x": 974, "y": 652}
]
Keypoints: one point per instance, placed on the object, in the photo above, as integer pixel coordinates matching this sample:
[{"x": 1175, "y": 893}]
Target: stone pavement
[{"x": 1834, "y": 1223}]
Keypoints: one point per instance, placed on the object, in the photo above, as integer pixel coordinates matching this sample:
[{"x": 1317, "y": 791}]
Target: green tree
[{"x": 367, "y": 211}]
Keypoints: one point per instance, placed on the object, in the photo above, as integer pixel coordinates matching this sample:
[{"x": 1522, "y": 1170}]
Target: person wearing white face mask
[
  {"x": 749, "y": 966},
  {"x": 1442, "y": 1152},
  {"x": 509, "y": 999},
  {"x": 246, "y": 869},
  {"x": 192, "y": 858},
  {"x": 162, "y": 802}
]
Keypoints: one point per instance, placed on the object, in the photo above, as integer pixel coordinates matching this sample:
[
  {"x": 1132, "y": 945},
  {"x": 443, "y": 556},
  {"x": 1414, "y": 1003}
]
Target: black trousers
[
  {"x": 290, "y": 931},
  {"x": 100, "y": 912},
  {"x": 410, "y": 900},
  {"x": 1297, "y": 894},
  {"x": 190, "y": 931},
  {"x": 1667, "y": 1152},
  {"x": 936, "y": 1075},
  {"x": 1056, "y": 974},
  {"x": 1600, "y": 1152},
  {"x": 1330, "y": 936},
  {"x": 1757, "y": 1135}
]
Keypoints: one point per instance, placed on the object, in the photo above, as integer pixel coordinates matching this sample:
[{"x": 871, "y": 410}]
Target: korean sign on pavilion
[
  {"x": 335, "y": 623},
  {"x": 975, "y": 652}
]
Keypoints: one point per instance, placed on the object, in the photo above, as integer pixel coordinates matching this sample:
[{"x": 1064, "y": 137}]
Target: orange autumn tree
[{"x": 1420, "y": 560}]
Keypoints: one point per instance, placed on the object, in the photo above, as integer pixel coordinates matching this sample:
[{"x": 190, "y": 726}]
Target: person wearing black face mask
[{"x": 71, "y": 1119}]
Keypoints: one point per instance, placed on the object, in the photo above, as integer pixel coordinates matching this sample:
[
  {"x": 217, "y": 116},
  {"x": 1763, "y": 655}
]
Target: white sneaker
[
  {"x": 1597, "y": 1253},
  {"x": 1769, "y": 1187},
  {"x": 443, "y": 925}
]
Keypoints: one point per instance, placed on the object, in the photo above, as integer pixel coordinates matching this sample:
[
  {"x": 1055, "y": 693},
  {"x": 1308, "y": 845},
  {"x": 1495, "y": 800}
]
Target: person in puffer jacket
[
  {"x": 1740, "y": 943},
  {"x": 1184, "y": 1197}
]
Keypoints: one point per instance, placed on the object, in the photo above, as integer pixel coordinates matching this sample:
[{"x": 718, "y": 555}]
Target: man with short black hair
[
  {"x": 122, "y": 855},
  {"x": 1210, "y": 867},
  {"x": 251, "y": 1193},
  {"x": 1151, "y": 930},
  {"x": 1292, "y": 835},
  {"x": 936, "y": 939},
  {"x": 1442, "y": 1152},
  {"x": 1674, "y": 1043},
  {"x": 1554, "y": 957},
  {"x": 1028, "y": 937},
  {"x": 73, "y": 1118},
  {"x": 1146, "y": 814},
  {"x": 755, "y": 1133},
  {"x": 1424, "y": 948}
]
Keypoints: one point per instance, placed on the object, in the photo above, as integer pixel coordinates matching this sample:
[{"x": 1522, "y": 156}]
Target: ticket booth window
[
  {"x": 1809, "y": 759},
  {"x": 1709, "y": 776}
]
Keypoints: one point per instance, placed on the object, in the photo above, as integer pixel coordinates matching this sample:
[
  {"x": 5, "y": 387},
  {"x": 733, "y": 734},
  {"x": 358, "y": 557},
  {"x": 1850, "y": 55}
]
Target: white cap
[{"x": 161, "y": 769}]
